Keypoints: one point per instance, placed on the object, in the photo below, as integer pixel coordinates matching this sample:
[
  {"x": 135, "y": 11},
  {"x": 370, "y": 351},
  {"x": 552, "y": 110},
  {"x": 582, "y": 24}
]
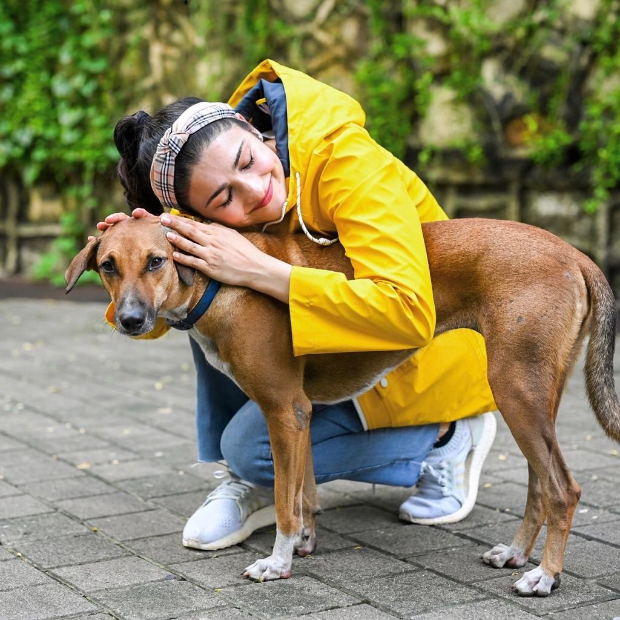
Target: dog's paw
[
  {"x": 536, "y": 582},
  {"x": 503, "y": 555},
  {"x": 268, "y": 569},
  {"x": 305, "y": 543}
]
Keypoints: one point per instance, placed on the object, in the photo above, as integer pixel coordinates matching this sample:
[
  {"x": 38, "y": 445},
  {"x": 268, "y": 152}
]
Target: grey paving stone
[
  {"x": 139, "y": 525},
  {"x": 487, "y": 610},
  {"x": 10, "y": 443},
  {"x": 355, "y": 612},
  {"x": 356, "y": 519},
  {"x": 221, "y": 613},
  {"x": 343, "y": 567},
  {"x": 21, "y": 506},
  {"x": 117, "y": 573},
  {"x": 69, "y": 550},
  {"x": 479, "y": 516},
  {"x": 295, "y": 596},
  {"x": 598, "y": 611},
  {"x": 129, "y": 469},
  {"x": 34, "y": 468},
  {"x": 462, "y": 564},
  {"x": 411, "y": 593},
  {"x": 164, "y": 599},
  {"x": 587, "y": 515},
  {"x": 170, "y": 484},
  {"x": 218, "y": 572},
  {"x": 508, "y": 496},
  {"x": 42, "y": 603},
  {"x": 168, "y": 549},
  {"x": 579, "y": 460},
  {"x": 409, "y": 540},
  {"x": 104, "y": 453},
  {"x": 5, "y": 555},
  {"x": 18, "y": 573},
  {"x": 103, "y": 505},
  {"x": 607, "y": 532},
  {"x": 7, "y": 489},
  {"x": 38, "y": 527},
  {"x": 612, "y": 581},
  {"x": 67, "y": 488},
  {"x": 67, "y": 443},
  {"x": 572, "y": 592}
]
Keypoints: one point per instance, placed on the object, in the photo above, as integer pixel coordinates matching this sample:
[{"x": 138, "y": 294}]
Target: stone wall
[{"x": 184, "y": 53}]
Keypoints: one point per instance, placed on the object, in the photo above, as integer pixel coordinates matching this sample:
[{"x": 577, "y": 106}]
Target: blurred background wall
[{"x": 506, "y": 108}]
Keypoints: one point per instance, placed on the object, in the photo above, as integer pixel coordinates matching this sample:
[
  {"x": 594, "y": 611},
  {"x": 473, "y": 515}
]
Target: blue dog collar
[{"x": 199, "y": 309}]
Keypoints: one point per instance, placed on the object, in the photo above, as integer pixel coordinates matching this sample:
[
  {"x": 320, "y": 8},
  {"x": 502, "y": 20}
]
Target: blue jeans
[{"x": 232, "y": 427}]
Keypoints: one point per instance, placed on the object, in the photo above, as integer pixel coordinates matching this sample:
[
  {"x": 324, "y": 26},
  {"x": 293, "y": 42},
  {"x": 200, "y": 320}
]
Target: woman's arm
[{"x": 389, "y": 305}]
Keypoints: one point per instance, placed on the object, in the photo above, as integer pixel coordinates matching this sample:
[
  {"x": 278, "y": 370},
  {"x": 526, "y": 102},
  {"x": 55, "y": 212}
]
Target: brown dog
[{"x": 532, "y": 296}]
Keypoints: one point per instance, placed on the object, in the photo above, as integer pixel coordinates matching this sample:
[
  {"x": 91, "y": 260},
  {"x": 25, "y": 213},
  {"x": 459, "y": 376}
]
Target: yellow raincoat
[{"x": 343, "y": 184}]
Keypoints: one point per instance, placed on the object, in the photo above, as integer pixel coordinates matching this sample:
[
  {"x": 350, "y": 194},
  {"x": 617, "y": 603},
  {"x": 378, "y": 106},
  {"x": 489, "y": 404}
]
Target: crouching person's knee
[{"x": 245, "y": 446}]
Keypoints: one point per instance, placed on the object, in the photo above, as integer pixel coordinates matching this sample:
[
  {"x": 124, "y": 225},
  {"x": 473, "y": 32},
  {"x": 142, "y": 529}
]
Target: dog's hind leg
[
  {"x": 289, "y": 433},
  {"x": 516, "y": 555},
  {"x": 528, "y": 402}
]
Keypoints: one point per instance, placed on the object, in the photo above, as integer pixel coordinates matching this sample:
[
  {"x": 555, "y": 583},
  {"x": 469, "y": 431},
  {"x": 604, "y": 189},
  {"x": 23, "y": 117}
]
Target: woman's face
[{"x": 239, "y": 181}]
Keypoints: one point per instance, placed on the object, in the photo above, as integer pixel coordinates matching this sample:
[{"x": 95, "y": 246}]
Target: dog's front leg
[
  {"x": 306, "y": 541},
  {"x": 289, "y": 433}
]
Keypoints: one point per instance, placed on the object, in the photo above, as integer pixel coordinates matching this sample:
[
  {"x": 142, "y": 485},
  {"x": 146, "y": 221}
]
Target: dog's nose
[{"x": 132, "y": 321}]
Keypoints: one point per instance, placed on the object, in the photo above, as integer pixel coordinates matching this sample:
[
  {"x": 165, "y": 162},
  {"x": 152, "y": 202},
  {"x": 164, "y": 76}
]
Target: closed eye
[{"x": 249, "y": 164}]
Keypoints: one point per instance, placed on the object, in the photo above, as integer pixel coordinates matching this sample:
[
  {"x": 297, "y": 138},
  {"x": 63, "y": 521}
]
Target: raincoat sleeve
[{"x": 389, "y": 305}]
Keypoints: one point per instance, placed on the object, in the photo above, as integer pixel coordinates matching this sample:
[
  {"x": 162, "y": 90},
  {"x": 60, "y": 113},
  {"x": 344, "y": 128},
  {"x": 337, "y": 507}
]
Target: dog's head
[{"x": 134, "y": 260}]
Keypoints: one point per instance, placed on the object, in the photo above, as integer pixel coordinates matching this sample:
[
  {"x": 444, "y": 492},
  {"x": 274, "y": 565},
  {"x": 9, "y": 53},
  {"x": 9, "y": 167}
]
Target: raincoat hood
[{"x": 293, "y": 105}]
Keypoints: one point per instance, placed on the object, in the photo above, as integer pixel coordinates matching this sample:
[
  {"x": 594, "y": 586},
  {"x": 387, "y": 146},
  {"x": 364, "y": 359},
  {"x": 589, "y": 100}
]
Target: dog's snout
[{"x": 132, "y": 320}]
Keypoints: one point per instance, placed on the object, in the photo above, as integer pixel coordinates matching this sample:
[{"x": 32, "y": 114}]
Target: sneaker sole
[
  {"x": 261, "y": 518},
  {"x": 473, "y": 469}
]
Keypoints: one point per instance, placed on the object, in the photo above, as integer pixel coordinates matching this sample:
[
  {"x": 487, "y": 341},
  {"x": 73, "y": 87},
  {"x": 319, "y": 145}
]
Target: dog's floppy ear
[
  {"x": 186, "y": 274},
  {"x": 86, "y": 259}
]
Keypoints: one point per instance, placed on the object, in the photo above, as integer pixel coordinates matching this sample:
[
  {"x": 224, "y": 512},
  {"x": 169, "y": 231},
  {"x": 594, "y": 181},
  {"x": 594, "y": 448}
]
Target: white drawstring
[{"x": 320, "y": 240}]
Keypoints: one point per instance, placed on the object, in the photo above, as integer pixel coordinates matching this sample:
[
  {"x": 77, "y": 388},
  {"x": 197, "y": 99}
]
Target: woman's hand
[
  {"x": 114, "y": 218},
  {"x": 225, "y": 255}
]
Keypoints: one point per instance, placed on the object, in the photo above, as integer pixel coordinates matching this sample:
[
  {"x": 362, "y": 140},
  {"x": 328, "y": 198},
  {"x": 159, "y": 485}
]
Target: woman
[{"x": 291, "y": 154}]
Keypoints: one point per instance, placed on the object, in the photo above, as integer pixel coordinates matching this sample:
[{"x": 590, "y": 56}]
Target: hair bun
[{"x": 128, "y": 134}]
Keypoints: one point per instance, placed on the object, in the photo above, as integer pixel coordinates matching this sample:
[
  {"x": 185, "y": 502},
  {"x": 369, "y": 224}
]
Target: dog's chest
[{"x": 212, "y": 355}]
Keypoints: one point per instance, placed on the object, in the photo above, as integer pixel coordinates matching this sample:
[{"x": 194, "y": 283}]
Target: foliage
[
  {"x": 398, "y": 70},
  {"x": 69, "y": 69}
]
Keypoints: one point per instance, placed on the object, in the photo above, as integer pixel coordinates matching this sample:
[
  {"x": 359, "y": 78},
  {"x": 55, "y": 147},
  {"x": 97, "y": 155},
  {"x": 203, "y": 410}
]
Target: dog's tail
[{"x": 599, "y": 366}]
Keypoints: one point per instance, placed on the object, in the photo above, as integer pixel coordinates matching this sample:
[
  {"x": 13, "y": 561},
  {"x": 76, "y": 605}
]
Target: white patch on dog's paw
[
  {"x": 536, "y": 582},
  {"x": 503, "y": 555},
  {"x": 268, "y": 569}
]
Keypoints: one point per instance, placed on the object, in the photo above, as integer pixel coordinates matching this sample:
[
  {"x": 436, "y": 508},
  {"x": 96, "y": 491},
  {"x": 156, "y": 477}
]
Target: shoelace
[
  {"x": 234, "y": 488},
  {"x": 427, "y": 471}
]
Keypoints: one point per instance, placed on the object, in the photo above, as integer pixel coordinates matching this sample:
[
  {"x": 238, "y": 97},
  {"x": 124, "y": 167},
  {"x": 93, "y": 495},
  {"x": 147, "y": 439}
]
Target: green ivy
[{"x": 62, "y": 88}]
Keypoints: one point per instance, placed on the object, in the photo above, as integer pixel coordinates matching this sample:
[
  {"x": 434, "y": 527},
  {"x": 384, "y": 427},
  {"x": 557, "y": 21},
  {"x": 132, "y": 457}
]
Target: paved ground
[{"x": 96, "y": 455}]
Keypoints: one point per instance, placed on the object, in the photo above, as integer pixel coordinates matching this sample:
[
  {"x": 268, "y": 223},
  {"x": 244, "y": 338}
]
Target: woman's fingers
[
  {"x": 140, "y": 212},
  {"x": 186, "y": 244}
]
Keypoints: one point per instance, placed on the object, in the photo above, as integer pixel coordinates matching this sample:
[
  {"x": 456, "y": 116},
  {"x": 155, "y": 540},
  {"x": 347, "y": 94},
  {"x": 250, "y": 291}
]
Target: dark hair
[{"x": 136, "y": 137}]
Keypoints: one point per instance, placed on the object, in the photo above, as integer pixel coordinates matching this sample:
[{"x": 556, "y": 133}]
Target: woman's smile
[{"x": 267, "y": 197}]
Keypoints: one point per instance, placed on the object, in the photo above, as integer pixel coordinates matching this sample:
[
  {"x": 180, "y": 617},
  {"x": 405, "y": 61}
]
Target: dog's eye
[
  {"x": 107, "y": 266},
  {"x": 156, "y": 263}
]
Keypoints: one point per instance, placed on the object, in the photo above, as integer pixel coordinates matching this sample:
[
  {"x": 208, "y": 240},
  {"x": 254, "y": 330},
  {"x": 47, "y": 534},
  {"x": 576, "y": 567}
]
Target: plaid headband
[{"x": 162, "y": 169}]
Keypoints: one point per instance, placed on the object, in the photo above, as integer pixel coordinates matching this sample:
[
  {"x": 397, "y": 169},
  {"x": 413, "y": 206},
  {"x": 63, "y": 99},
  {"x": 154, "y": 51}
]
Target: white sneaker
[
  {"x": 448, "y": 483},
  {"x": 229, "y": 515}
]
